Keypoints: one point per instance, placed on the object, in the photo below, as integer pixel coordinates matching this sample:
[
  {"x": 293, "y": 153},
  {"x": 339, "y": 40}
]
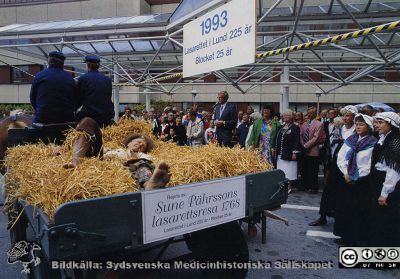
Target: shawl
[
  {"x": 389, "y": 152},
  {"x": 355, "y": 147}
]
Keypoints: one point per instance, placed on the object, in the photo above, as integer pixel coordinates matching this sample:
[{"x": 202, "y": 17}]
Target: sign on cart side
[
  {"x": 176, "y": 211},
  {"x": 223, "y": 38}
]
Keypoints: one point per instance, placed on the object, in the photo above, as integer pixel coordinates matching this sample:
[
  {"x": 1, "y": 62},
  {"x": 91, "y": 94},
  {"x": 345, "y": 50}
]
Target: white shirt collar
[
  {"x": 222, "y": 108},
  {"x": 382, "y": 138}
]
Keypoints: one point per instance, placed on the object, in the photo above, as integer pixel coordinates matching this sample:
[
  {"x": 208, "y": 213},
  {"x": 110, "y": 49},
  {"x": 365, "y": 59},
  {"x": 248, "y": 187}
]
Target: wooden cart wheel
[{"x": 221, "y": 243}]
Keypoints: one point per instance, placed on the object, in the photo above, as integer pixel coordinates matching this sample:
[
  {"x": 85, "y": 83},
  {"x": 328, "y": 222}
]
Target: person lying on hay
[{"x": 135, "y": 152}]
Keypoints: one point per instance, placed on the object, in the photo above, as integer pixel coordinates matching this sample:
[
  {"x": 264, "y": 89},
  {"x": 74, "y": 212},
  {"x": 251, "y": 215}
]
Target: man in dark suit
[{"x": 224, "y": 119}]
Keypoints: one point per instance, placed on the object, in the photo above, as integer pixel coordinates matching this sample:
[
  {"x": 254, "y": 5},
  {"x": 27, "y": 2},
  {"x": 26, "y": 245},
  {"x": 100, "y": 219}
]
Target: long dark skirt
[
  {"x": 352, "y": 211},
  {"x": 329, "y": 195},
  {"x": 384, "y": 224}
]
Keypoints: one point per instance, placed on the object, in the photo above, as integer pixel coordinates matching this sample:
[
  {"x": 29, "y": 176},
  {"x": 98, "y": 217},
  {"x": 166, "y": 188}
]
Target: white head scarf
[
  {"x": 367, "y": 119},
  {"x": 390, "y": 117},
  {"x": 350, "y": 108}
]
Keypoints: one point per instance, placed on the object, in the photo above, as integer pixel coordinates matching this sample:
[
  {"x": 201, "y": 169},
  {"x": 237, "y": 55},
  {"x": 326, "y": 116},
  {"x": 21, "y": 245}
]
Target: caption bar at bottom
[{"x": 260, "y": 264}]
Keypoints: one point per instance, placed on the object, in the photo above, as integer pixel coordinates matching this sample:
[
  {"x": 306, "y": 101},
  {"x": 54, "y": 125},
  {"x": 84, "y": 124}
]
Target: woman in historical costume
[
  {"x": 263, "y": 134},
  {"x": 344, "y": 127},
  {"x": 384, "y": 225},
  {"x": 287, "y": 148},
  {"x": 354, "y": 161}
]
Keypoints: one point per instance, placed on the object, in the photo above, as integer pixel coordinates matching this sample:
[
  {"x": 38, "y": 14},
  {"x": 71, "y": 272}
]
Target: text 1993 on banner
[{"x": 222, "y": 38}]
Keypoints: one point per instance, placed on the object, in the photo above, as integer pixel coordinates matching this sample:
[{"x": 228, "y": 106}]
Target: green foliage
[
  {"x": 157, "y": 105},
  {"x": 5, "y": 108}
]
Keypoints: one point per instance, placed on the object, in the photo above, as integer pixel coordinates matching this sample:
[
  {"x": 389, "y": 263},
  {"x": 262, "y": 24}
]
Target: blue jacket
[
  {"x": 242, "y": 132},
  {"x": 53, "y": 96},
  {"x": 95, "y": 92}
]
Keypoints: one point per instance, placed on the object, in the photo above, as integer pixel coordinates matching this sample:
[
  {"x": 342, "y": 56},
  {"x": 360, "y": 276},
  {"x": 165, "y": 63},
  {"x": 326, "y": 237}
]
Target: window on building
[
  {"x": 5, "y": 74},
  {"x": 19, "y": 75}
]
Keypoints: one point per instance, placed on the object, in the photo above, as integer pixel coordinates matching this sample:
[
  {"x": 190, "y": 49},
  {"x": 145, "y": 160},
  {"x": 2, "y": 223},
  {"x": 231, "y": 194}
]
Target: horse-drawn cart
[{"x": 205, "y": 215}]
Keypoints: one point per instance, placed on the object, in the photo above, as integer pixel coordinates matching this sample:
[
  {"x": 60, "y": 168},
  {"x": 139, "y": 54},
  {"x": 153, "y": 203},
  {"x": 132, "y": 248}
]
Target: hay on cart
[{"x": 36, "y": 174}]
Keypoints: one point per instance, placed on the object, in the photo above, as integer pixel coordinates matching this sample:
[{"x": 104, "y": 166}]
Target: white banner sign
[
  {"x": 176, "y": 211},
  {"x": 223, "y": 38}
]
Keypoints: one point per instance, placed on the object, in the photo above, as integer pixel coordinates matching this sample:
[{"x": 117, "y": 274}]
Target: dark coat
[
  {"x": 286, "y": 143},
  {"x": 95, "y": 92},
  {"x": 53, "y": 96},
  {"x": 224, "y": 133},
  {"x": 171, "y": 125},
  {"x": 384, "y": 221},
  {"x": 325, "y": 153},
  {"x": 242, "y": 132},
  {"x": 180, "y": 134},
  {"x": 156, "y": 126},
  {"x": 326, "y": 129}
]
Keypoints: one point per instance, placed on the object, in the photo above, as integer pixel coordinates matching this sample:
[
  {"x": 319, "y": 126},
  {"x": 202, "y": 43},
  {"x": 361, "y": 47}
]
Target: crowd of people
[
  {"x": 357, "y": 149},
  {"x": 362, "y": 172}
]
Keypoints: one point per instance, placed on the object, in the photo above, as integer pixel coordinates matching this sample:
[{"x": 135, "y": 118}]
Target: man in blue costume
[
  {"x": 97, "y": 110},
  {"x": 53, "y": 93},
  {"x": 95, "y": 93}
]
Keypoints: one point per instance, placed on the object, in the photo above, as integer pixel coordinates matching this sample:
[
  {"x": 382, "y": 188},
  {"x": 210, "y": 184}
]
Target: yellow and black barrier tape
[
  {"x": 149, "y": 80},
  {"x": 159, "y": 79},
  {"x": 337, "y": 38}
]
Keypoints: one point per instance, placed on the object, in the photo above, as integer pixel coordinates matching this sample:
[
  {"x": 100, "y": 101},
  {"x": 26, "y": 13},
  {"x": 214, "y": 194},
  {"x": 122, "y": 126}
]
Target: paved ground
[{"x": 283, "y": 242}]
